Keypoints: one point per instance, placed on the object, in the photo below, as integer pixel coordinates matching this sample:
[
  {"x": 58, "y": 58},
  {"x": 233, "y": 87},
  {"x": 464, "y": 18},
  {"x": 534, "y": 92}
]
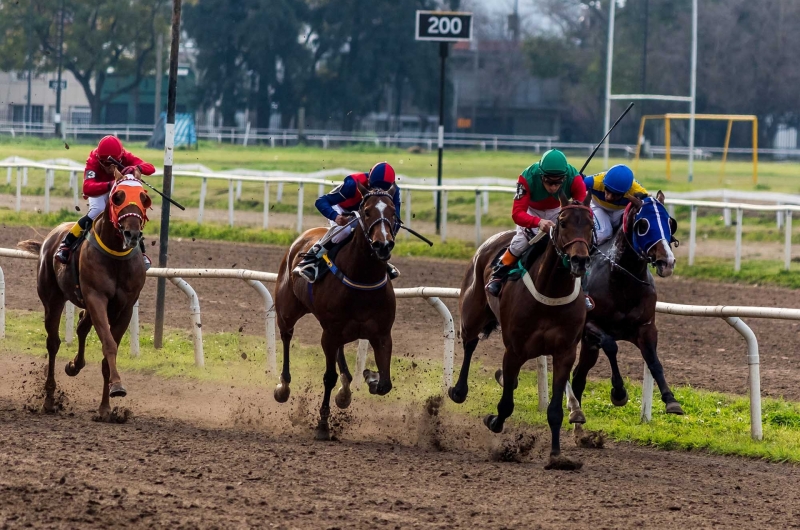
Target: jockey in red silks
[
  {"x": 337, "y": 205},
  {"x": 98, "y": 179}
]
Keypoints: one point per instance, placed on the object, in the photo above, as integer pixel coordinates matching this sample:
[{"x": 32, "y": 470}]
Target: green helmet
[{"x": 553, "y": 165}]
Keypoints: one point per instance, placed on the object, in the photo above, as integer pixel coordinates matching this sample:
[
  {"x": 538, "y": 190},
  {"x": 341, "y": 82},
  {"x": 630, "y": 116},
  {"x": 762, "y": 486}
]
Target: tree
[{"x": 100, "y": 39}]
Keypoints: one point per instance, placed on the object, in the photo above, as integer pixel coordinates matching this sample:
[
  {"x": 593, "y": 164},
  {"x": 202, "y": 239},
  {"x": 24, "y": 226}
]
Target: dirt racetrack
[
  {"x": 212, "y": 456},
  {"x": 703, "y": 352}
]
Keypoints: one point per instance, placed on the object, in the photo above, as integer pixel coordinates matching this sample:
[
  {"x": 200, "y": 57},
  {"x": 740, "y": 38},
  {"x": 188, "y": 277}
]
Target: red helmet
[{"x": 109, "y": 146}]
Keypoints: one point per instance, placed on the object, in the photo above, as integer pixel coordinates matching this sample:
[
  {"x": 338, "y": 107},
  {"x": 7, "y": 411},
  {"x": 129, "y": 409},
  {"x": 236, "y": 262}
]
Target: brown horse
[
  {"x": 625, "y": 301},
  {"x": 355, "y": 300},
  {"x": 542, "y": 314},
  {"x": 104, "y": 276}
]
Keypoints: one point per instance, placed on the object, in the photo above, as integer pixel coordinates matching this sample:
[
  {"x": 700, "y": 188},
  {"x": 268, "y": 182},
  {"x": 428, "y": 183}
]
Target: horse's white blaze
[
  {"x": 670, "y": 255},
  {"x": 381, "y": 206}
]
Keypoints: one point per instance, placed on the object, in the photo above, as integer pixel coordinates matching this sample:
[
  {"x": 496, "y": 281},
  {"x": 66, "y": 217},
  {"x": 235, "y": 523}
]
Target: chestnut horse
[
  {"x": 104, "y": 277},
  {"x": 541, "y": 314},
  {"x": 625, "y": 298},
  {"x": 353, "y": 300}
]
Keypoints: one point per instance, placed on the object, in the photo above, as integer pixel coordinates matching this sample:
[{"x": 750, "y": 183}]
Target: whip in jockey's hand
[
  {"x": 338, "y": 206},
  {"x": 98, "y": 179}
]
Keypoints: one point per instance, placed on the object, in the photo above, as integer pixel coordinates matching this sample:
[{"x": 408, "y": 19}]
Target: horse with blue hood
[{"x": 624, "y": 293}]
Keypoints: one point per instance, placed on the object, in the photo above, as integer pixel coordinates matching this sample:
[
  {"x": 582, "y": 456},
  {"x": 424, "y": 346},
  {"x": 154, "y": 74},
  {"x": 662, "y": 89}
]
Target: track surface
[
  {"x": 703, "y": 352},
  {"x": 216, "y": 456}
]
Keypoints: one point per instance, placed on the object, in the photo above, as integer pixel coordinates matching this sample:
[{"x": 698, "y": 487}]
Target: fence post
[
  {"x": 361, "y": 363},
  {"x": 133, "y": 328},
  {"x": 726, "y": 213},
  {"x": 73, "y": 177},
  {"x": 485, "y": 202},
  {"x": 692, "y": 234},
  {"x": 541, "y": 381},
  {"x": 495, "y": 143},
  {"x": 779, "y": 216},
  {"x": 230, "y": 202},
  {"x": 408, "y": 212},
  {"x": 266, "y": 205},
  {"x": 194, "y": 310},
  {"x": 25, "y": 177},
  {"x": 279, "y": 194},
  {"x": 8, "y": 175},
  {"x": 444, "y": 216},
  {"x": 737, "y": 263},
  {"x": 203, "y": 190},
  {"x": 69, "y": 325},
  {"x": 238, "y": 190},
  {"x": 754, "y": 379},
  {"x": 787, "y": 250},
  {"x": 647, "y": 395},
  {"x": 19, "y": 192},
  {"x": 320, "y": 190},
  {"x": 2, "y": 304},
  {"x": 477, "y": 218},
  {"x": 46, "y": 191},
  {"x": 300, "y": 208}
]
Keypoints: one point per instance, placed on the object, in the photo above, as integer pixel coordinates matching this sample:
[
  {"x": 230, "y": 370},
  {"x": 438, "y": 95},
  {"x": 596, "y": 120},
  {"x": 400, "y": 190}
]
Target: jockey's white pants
[
  {"x": 97, "y": 205},
  {"x": 523, "y": 235},
  {"x": 337, "y": 233},
  {"x": 606, "y": 221}
]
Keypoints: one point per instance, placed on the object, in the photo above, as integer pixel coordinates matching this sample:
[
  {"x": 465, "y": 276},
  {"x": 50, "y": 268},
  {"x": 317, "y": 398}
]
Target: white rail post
[
  {"x": 692, "y": 233},
  {"x": 300, "y": 191},
  {"x": 133, "y": 329},
  {"x": 18, "y": 204},
  {"x": 737, "y": 263},
  {"x": 408, "y": 212},
  {"x": 754, "y": 379},
  {"x": 361, "y": 363},
  {"x": 449, "y": 341},
  {"x": 25, "y": 177},
  {"x": 787, "y": 248},
  {"x": 443, "y": 226},
  {"x": 73, "y": 180},
  {"x": 779, "y": 216},
  {"x": 485, "y": 202},
  {"x": 541, "y": 382},
  {"x": 202, "y": 207},
  {"x": 279, "y": 194},
  {"x": 647, "y": 395},
  {"x": 477, "y": 218},
  {"x": 194, "y": 310},
  {"x": 2, "y": 304},
  {"x": 230, "y": 202},
  {"x": 269, "y": 320},
  {"x": 320, "y": 190},
  {"x": 726, "y": 213},
  {"x": 265, "y": 224},
  {"x": 69, "y": 326},
  {"x": 8, "y": 175},
  {"x": 46, "y": 191},
  {"x": 671, "y": 210},
  {"x": 238, "y": 190}
]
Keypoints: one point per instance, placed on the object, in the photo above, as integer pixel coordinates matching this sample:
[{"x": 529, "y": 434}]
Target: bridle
[
  {"x": 554, "y": 234},
  {"x": 114, "y": 210},
  {"x": 359, "y": 214}
]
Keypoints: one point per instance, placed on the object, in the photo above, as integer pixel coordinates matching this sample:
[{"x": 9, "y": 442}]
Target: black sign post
[{"x": 442, "y": 27}]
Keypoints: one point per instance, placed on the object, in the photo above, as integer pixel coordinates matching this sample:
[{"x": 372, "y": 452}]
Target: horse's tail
[{"x": 30, "y": 245}]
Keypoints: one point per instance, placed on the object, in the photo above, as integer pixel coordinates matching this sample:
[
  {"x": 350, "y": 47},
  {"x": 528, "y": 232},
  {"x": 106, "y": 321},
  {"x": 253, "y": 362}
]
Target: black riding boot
[
  {"x": 499, "y": 275},
  {"x": 308, "y": 268},
  {"x": 65, "y": 250}
]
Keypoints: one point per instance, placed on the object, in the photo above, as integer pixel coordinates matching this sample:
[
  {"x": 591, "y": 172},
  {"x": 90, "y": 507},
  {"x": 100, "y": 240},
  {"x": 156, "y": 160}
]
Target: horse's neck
[
  {"x": 105, "y": 231},
  {"x": 357, "y": 260},
  {"x": 551, "y": 279}
]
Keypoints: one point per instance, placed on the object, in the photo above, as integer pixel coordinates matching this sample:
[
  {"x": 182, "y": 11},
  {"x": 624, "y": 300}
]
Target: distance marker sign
[{"x": 443, "y": 26}]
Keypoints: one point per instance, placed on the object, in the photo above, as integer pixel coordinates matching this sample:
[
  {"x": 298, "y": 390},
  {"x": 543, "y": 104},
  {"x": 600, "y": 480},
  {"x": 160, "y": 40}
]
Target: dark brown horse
[
  {"x": 625, "y": 298},
  {"x": 354, "y": 300},
  {"x": 110, "y": 275},
  {"x": 542, "y": 314}
]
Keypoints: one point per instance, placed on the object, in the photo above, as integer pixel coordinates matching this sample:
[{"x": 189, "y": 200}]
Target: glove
[{"x": 129, "y": 170}]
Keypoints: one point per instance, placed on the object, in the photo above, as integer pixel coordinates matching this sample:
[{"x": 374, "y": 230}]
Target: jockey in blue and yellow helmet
[{"x": 610, "y": 191}]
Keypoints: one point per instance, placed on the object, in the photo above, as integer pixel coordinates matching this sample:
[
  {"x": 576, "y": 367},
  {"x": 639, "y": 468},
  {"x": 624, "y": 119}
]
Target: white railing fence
[{"x": 481, "y": 187}]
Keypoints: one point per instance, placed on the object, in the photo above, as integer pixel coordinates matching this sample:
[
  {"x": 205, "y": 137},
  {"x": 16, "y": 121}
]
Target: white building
[{"x": 14, "y": 97}]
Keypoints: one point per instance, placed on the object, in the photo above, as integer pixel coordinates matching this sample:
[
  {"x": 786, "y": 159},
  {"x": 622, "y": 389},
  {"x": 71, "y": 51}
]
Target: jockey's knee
[{"x": 94, "y": 212}]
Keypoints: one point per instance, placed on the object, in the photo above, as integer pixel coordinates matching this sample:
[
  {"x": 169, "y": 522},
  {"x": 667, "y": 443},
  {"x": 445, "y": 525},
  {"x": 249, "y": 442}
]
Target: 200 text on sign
[{"x": 444, "y": 26}]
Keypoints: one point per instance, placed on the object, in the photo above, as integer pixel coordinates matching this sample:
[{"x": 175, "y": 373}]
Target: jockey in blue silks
[{"x": 337, "y": 206}]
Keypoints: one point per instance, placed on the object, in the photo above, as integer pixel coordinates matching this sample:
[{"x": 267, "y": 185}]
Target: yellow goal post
[{"x": 730, "y": 118}]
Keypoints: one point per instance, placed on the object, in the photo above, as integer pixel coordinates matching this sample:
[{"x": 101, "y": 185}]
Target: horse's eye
[{"x": 562, "y": 224}]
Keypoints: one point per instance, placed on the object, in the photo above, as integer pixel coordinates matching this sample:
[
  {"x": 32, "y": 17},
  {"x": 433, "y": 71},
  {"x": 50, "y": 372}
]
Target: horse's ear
[
  {"x": 588, "y": 199},
  {"x": 118, "y": 198},
  {"x": 660, "y": 197},
  {"x": 146, "y": 201},
  {"x": 392, "y": 190},
  {"x": 562, "y": 198},
  {"x": 361, "y": 188},
  {"x": 117, "y": 174}
]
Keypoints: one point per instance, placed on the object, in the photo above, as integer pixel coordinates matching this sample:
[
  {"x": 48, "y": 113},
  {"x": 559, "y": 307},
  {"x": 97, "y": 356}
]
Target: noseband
[{"x": 368, "y": 229}]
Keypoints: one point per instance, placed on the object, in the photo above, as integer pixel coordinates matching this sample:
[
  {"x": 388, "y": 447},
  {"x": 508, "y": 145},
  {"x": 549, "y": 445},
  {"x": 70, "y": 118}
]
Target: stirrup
[
  {"x": 309, "y": 272},
  {"x": 589, "y": 302},
  {"x": 392, "y": 271},
  {"x": 63, "y": 254}
]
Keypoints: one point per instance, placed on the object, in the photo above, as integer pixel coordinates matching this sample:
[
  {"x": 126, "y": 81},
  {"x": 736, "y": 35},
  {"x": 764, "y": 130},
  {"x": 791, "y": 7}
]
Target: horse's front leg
[
  {"x": 511, "y": 367},
  {"x": 52, "y": 321},
  {"x": 380, "y": 383},
  {"x": 619, "y": 396},
  {"x": 343, "y": 395},
  {"x": 588, "y": 358},
  {"x": 331, "y": 347},
  {"x": 74, "y": 367},
  {"x": 458, "y": 393},
  {"x": 647, "y": 342},
  {"x": 562, "y": 364},
  {"x": 97, "y": 306}
]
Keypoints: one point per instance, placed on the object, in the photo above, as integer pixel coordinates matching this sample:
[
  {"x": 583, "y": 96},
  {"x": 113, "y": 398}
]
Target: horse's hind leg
[
  {"x": 343, "y": 395},
  {"x": 511, "y": 366},
  {"x": 619, "y": 396},
  {"x": 380, "y": 383},
  {"x": 74, "y": 367},
  {"x": 458, "y": 393},
  {"x": 52, "y": 321},
  {"x": 282, "y": 390},
  {"x": 647, "y": 342},
  {"x": 331, "y": 349}
]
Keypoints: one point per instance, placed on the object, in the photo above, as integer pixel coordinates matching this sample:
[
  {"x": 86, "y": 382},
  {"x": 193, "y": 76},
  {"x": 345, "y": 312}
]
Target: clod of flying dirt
[
  {"x": 432, "y": 405},
  {"x": 563, "y": 463},
  {"x": 118, "y": 415},
  {"x": 514, "y": 449},
  {"x": 66, "y": 145},
  {"x": 244, "y": 356},
  {"x": 591, "y": 440},
  {"x": 241, "y": 328},
  {"x": 153, "y": 243}
]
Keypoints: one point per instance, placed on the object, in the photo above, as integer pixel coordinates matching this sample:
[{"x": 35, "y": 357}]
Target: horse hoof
[
  {"x": 117, "y": 390},
  {"x": 372, "y": 379},
  {"x": 619, "y": 400},
  {"x": 71, "y": 369},
  {"x": 49, "y": 406},
  {"x": 577, "y": 417},
  {"x": 455, "y": 396},
  {"x": 282, "y": 393},
  {"x": 498, "y": 376},
  {"x": 675, "y": 408},
  {"x": 562, "y": 463},
  {"x": 343, "y": 398},
  {"x": 491, "y": 422},
  {"x": 323, "y": 432}
]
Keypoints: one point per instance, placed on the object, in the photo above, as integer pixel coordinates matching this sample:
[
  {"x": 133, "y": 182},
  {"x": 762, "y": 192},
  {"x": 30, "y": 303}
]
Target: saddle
[
  {"x": 331, "y": 254},
  {"x": 526, "y": 259}
]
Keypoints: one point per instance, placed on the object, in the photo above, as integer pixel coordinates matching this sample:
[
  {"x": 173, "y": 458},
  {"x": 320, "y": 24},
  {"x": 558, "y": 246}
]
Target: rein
[{"x": 561, "y": 251}]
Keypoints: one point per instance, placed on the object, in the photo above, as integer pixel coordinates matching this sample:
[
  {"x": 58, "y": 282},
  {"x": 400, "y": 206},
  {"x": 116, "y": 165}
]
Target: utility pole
[
  {"x": 57, "y": 117},
  {"x": 29, "y": 64},
  {"x": 159, "y": 75},
  {"x": 166, "y": 185}
]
